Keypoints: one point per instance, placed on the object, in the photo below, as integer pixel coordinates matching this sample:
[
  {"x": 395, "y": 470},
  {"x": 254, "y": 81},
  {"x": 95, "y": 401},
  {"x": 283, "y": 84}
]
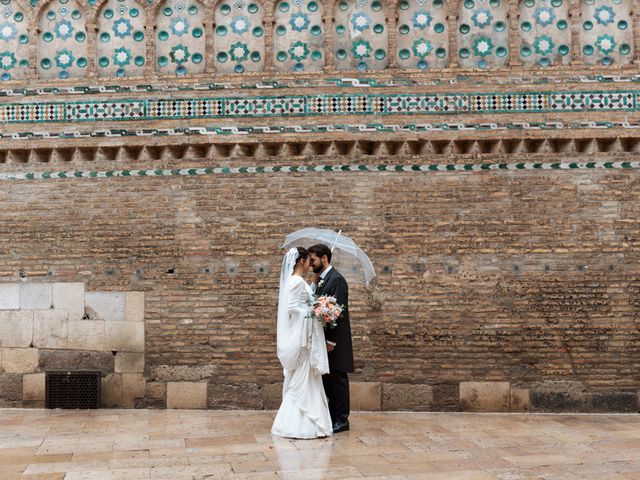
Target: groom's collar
[{"x": 325, "y": 272}]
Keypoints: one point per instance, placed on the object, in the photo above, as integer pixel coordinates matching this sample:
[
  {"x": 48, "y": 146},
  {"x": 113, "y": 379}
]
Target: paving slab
[{"x": 213, "y": 444}]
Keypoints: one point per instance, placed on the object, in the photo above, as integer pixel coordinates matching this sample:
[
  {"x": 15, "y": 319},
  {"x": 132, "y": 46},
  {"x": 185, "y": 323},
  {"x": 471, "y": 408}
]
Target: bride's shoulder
[
  {"x": 296, "y": 280},
  {"x": 298, "y": 283}
]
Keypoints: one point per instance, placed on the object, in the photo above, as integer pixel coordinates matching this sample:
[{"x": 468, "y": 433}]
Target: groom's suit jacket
[{"x": 341, "y": 358}]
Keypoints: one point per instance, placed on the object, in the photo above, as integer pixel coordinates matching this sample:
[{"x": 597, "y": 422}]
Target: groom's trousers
[{"x": 336, "y": 386}]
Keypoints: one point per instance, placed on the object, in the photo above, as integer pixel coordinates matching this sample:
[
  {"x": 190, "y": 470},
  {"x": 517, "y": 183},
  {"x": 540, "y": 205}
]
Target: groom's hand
[{"x": 330, "y": 347}]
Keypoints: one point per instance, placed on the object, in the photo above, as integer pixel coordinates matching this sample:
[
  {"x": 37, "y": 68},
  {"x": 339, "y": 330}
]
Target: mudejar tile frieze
[{"x": 63, "y": 39}]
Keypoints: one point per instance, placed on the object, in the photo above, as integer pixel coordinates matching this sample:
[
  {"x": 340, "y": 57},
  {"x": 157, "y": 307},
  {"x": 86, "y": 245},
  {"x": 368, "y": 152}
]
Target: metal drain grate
[{"x": 72, "y": 389}]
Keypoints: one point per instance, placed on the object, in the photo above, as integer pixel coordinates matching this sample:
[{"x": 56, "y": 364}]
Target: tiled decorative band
[
  {"x": 309, "y": 83},
  {"x": 318, "y": 105},
  {"x": 451, "y": 167},
  {"x": 226, "y": 130}
]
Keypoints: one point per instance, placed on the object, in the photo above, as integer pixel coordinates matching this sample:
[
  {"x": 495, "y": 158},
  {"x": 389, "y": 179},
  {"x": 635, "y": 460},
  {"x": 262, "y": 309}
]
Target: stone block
[
  {"x": 446, "y": 397},
  {"x": 86, "y": 335},
  {"x": 16, "y": 328},
  {"x": 9, "y": 296},
  {"x": 76, "y": 360},
  {"x": 557, "y": 396},
  {"x": 607, "y": 402},
  {"x": 182, "y": 373},
  {"x": 484, "y": 396},
  {"x": 129, "y": 362},
  {"x": 156, "y": 390},
  {"x": 134, "y": 306},
  {"x": 10, "y": 403},
  {"x": 124, "y": 336},
  {"x": 121, "y": 390},
  {"x": 519, "y": 401},
  {"x": 69, "y": 297},
  {"x": 108, "y": 306},
  {"x": 187, "y": 395},
  {"x": 154, "y": 397},
  {"x": 50, "y": 328},
  {"x": 133, "y": 384},
  {"x": 33, "y": 386},
  {"x": 19, "y": 360},
  {"x": 111, "y": 392},
  {"x": 35, "y": 296},
  {"x": 10, "y": 387},
  {"x": 225, "y": 396},
  {"x": 272, "y": 395},
  {"x": 403, "y": 396},
  {"x": 365, "y": 395}
]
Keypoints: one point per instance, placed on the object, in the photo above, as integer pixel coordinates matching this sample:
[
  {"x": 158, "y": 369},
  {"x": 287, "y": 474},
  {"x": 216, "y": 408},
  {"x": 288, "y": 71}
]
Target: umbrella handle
[{"x": 336, "y": 240}]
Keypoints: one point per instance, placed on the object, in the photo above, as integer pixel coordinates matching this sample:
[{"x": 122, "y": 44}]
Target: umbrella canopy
[{"x": 348, "y": 257}]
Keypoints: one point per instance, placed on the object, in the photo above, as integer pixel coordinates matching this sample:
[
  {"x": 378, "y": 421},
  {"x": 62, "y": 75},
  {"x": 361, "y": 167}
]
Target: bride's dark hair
[{"x": 303, "y": 254}]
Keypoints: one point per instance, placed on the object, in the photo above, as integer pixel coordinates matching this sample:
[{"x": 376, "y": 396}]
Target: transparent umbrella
[{"x": 348, "y": 258}]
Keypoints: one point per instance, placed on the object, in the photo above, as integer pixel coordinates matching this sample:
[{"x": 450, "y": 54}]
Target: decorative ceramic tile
[
  {"x": 317, "y": 105},
  {"x": 239, "y": 36},
  {"x": 120, "y": 41},
  {"x": 14, "y": 41},
  {"x": 422, "y": 37},
  {"x": 311, "y": 82},
  {"x": 545, "y": 32},
  {"x": 62, "y": 40},
  {"x": 361, "y": 37},
  {"x": 483, "y": 33},
  {"x": 226, "y": 130},
  {"x": 298, "y": 36},
  {"x": 180, "y": 37},
  {"x": 606, "y": 34},
  {"x": 344, "y": 168}
]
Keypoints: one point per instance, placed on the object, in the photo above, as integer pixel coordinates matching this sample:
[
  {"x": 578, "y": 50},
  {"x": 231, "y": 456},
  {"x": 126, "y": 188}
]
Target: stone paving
[{"x": 199, "y": 444}]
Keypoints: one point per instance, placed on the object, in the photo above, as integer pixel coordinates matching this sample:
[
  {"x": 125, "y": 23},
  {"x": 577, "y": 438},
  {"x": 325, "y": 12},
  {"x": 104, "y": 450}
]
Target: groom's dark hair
[{"x": 319, "y": 250}]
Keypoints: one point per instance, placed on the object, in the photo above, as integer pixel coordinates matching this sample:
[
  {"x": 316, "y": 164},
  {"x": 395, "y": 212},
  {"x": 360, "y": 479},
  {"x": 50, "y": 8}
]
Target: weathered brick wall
[{"x": 526, "y": 277}]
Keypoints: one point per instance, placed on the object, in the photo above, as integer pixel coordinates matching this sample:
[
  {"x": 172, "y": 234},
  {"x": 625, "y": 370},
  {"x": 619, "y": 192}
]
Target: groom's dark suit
[{"x": 336, "y": 383}]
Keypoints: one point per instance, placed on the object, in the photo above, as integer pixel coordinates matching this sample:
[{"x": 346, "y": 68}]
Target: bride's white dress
[{"x": 304, "y": 412}]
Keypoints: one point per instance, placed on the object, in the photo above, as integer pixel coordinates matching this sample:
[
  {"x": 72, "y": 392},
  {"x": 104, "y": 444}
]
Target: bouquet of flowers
[{"x": 326, "y": 310}]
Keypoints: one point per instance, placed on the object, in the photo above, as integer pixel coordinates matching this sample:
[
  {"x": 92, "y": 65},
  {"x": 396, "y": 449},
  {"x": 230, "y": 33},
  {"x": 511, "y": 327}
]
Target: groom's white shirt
[
  {"x": 314, "y": 288},
  {"x": 325, "y": 271}
]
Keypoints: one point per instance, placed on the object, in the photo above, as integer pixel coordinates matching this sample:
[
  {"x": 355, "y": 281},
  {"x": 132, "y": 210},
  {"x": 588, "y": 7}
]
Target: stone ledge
[
  {"x": 403, "y": 396},
  {"x": 33, "y": 387},
  {"x": 366, "y": 396},
  {"x": 484, "y": 396},
  {"x": 187, "y": 395}
]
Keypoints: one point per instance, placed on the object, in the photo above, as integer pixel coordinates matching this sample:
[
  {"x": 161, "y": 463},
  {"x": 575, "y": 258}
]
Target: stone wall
[{"x": 47, "y": 326}]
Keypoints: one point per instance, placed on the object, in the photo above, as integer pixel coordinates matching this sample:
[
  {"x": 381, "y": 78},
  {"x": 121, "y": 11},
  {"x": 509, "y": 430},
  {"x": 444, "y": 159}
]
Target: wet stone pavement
[{"x": 195, "y": 444}]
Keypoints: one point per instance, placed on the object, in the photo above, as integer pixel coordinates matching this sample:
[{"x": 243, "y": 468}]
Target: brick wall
[{"x": 526, "y": 277}]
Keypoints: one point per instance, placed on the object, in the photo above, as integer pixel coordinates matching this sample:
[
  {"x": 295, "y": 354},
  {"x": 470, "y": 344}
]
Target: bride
[{"x": 302, "y": 351}]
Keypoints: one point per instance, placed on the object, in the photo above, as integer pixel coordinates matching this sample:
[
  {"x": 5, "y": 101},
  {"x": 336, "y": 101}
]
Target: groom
[{"x": 336, "y": 383}]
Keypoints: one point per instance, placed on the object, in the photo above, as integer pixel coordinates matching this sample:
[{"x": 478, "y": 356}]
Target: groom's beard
[{"x": 317, "y": 269}]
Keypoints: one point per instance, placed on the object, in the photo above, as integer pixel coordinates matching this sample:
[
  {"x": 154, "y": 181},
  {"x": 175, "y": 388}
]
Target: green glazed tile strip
[{"x": 252, "y": 170}]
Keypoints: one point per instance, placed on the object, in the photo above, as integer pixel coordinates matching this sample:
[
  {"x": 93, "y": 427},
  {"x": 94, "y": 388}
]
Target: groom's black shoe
[{"x": 341, "y": 426}]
